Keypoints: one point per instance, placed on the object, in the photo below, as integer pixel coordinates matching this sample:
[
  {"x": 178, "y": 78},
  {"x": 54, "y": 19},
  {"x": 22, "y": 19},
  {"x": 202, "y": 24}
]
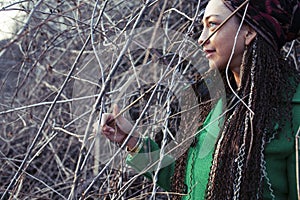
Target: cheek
[
  {"x": 224, "y": 52},
  {"x": 226, "y": 45},
  {"x": 227, "y": 35},
  {"x": 223, "y": 42}
]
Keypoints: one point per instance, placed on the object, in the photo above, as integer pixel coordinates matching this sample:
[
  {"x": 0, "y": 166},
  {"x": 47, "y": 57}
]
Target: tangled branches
[{"x": 52, "y": 71}]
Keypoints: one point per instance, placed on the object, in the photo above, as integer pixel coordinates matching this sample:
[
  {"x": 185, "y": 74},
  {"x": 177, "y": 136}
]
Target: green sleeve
[
  {"x": 291, "y": 171},
  {"x": 291, "y": 161},
  {"x": 281, "y": 175},
  {"x": 280, "y": 157},
  {"x": 146, "y": 161}
]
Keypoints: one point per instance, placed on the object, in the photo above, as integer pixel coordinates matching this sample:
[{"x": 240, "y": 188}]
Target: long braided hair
[
  {"x": 206, "y": 103},
  {"x": 238, "y": 167}
]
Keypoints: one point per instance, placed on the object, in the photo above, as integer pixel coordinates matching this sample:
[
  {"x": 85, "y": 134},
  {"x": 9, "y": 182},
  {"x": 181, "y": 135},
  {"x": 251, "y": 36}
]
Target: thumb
[
  {"x": 116, "y": 110},
  {"x": 123, "y": 124}
]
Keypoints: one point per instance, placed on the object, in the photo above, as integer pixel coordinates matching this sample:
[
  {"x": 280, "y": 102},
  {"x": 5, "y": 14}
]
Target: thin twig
[{"x": 23, "y": 166}]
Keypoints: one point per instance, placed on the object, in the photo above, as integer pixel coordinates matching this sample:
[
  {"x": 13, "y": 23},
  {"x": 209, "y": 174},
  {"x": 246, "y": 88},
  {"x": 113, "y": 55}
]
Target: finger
[
  {"x": 105, "y": 118},
  {"x": 108, "y": 130},
  {"x": 115, "y": 138}
]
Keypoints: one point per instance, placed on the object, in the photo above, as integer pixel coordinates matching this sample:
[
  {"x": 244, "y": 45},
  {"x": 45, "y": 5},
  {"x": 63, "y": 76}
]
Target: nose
[{"x": 203, "y": 37}]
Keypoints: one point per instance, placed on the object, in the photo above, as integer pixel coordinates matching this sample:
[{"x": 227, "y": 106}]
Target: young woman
[{"x": 254, "y": 153}]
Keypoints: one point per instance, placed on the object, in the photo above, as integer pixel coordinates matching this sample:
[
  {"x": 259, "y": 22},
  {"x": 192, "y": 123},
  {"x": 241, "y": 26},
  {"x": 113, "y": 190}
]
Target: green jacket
[{"x": 280, "y": 159}]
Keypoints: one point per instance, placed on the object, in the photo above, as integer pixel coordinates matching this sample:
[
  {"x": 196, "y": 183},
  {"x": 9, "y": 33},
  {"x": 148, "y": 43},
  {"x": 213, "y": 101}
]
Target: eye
[{"x": 212, "y": 24}]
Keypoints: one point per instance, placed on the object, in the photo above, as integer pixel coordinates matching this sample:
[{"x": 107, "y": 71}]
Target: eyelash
[{"x": 212, "y": 24}]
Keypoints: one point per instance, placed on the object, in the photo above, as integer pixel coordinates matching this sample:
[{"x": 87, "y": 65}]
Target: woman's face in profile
[{"x": 219, "y": 47}]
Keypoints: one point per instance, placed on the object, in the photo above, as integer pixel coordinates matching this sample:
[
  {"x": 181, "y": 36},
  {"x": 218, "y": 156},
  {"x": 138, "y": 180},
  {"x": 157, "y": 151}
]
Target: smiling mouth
[{"x": 209, "y": 53}]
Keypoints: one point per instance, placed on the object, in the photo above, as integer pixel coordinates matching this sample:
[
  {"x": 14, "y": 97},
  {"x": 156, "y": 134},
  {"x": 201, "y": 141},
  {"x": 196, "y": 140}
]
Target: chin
[{"x": 213, "y": 65}]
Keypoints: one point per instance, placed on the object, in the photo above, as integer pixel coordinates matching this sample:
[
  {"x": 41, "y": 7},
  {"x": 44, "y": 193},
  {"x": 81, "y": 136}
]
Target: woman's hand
[{"x": 116, "y": 128}]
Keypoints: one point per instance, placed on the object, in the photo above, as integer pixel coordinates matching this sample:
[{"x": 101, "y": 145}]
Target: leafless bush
[
  {"x": 63, "y": 67},
  {"x": 48, "y": 150}
]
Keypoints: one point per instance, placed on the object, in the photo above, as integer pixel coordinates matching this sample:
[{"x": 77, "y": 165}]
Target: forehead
[{"x": 216, "y": 8}]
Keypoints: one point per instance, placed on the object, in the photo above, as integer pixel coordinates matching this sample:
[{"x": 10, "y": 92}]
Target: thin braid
[
  {"x": 177, "y": 179},
  {"x": 238, "y": 164},
  {"x": 238, "y": 167},
  {"x": 241, "y": 159},
  {"x": 178, "y": 185},
  {"x": 219, "y": 153}
]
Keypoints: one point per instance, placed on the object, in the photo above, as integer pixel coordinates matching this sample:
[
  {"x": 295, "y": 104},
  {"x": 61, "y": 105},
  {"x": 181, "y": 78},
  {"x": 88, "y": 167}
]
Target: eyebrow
[{"x": 209, "y": 16}]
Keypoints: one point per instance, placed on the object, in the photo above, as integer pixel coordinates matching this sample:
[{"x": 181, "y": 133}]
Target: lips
[{"x": 209, "y": 52}]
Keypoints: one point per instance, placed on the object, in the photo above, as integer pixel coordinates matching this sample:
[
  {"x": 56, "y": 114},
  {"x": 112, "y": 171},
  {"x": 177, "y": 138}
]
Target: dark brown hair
[{"x": 267, "y": 87}]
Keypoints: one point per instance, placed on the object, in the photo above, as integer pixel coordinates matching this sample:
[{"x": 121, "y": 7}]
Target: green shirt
[
  {"x": 200, "y": 157},
  {"x": 279, "y": 155}
]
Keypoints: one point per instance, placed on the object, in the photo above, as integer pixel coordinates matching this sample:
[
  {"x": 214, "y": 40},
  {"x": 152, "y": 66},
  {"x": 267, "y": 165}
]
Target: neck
[{"x": 236, "y": 74}]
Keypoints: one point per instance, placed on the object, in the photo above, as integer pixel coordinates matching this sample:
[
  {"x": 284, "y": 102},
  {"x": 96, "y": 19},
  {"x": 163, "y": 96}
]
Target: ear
[{"x": 250, "y": 34}]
